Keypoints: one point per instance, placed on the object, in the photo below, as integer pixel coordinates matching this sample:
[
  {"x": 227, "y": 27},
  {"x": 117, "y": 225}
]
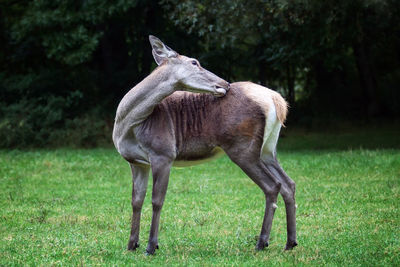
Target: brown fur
[
  {"x": 246, "y": 127},
  {"x": 197, "y": 123}
]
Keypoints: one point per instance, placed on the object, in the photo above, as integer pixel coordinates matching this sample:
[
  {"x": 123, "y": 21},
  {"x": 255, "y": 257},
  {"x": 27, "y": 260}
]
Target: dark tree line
[{"x": 64, "y": 65}]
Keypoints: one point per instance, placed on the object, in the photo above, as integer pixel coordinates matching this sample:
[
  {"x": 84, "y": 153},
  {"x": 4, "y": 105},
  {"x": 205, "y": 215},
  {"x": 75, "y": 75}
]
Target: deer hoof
[
  {"x": 133, "y": 245},
  {"x": 290, "y": 245},
  {"x": 261, "y": 245},
  {"x": 149, "y": 253},
  {"x": 151, "y": 249}
]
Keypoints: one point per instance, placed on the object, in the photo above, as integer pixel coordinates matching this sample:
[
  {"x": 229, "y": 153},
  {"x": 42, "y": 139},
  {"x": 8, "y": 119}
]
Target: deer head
[{"x": 186, "y": 73}]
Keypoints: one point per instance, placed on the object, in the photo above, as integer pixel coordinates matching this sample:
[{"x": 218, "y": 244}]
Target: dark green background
[{"x": 64, "y": 65}]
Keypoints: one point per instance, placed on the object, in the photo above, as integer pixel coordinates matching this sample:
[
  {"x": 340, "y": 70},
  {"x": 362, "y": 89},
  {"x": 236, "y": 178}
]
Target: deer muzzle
[{"x": 220, "y": 91}]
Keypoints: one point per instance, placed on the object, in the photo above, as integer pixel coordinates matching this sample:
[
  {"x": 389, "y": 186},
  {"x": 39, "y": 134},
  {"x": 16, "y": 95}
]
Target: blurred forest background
[{"x": 65, "y": 65}]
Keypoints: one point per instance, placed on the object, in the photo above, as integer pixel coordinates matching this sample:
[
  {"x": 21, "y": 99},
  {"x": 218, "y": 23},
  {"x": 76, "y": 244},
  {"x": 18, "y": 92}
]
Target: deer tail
[{"x": 281, "y": 107}]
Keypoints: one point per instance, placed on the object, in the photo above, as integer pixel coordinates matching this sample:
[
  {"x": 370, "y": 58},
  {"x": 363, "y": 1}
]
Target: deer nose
[{"x": 224, "y": 85}]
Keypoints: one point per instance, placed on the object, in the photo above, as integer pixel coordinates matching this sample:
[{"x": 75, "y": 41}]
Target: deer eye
[{"x": 194, "y": 62}]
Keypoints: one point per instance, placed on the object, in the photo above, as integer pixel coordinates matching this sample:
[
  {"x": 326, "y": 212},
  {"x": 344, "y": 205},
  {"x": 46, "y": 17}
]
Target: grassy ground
[{"x": 72, "y": 207}]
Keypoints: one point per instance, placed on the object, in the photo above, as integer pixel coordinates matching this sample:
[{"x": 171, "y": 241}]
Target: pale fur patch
[
  {"x": 259, "y": 94},
  {"x": 266, "y": 98},
  {"x": 275, "y": 110}
]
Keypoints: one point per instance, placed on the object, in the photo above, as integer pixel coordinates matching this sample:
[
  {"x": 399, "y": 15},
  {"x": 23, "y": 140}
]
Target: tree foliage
[
  {"x": 64, "y": 65},
  {"x": 69, "y": 59},
  {"x": 323, "y": 50}
]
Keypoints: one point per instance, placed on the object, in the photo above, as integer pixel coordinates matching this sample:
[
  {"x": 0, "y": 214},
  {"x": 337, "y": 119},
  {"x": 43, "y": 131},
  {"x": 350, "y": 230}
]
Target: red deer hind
[{"x": 182, "y": 114}]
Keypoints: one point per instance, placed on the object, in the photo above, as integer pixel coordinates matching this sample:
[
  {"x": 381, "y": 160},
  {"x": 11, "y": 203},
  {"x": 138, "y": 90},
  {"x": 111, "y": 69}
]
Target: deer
[{"x": 182, "y": 114}]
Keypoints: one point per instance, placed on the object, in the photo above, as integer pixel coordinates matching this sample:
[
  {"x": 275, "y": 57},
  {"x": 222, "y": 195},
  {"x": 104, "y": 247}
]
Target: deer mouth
[{"x": 219, "y": 92}]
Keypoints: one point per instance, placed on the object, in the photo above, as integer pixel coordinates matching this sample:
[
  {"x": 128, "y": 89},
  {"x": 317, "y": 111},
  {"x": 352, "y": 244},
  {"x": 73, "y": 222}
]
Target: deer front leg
[
  {"x": 161, "y": 168},
  {"x": 140, "y": 176}
]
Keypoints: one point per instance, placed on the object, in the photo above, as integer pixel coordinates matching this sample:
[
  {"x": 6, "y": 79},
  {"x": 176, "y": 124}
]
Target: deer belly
[{"x": 197, "y": 157}]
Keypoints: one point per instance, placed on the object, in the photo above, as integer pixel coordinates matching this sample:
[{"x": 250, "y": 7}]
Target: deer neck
[{"x": 137, "y": 105}]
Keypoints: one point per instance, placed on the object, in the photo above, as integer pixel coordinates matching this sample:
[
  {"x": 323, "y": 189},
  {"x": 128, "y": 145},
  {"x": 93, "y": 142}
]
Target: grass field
[{"x": 72, "y": 207}]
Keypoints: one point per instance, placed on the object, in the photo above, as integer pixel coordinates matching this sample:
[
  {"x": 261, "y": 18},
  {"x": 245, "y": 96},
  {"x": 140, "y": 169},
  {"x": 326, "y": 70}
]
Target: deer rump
[{"x": 193, "y": 128}]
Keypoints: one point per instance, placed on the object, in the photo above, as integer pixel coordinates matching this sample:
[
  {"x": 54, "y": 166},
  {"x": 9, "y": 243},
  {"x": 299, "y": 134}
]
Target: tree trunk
[
  {"x": 291, "y": 74},
  {"x": 364, "y": 67},
  {"x": 367, "y": 78},
  {"x": 262, "y": 72}
]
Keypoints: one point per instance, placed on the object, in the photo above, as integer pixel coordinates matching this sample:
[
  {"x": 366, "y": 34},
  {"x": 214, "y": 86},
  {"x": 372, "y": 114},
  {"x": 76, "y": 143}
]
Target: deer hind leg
[
  {"x": 161, "y": 168},
  {"x": 268, "y": 157},
  {"x": 140, "y": 176},
  {"x": 288, "y": 191},
  {"x": 249, "y": 161}
]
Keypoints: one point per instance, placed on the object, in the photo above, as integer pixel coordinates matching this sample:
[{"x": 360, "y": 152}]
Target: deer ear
[{"x": 160, "y": 51}]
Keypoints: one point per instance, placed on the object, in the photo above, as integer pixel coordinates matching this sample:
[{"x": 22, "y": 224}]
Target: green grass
[{"x": 72, "y": 207}]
